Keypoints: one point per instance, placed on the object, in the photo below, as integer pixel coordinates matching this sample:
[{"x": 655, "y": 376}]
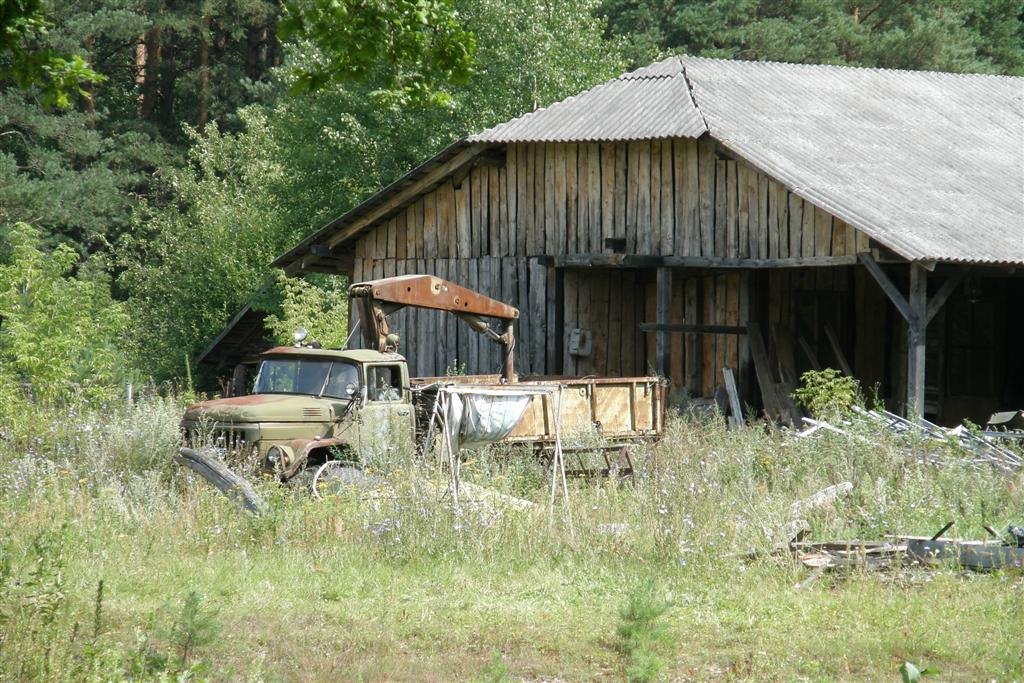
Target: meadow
[{"x": 115, "y": 564}]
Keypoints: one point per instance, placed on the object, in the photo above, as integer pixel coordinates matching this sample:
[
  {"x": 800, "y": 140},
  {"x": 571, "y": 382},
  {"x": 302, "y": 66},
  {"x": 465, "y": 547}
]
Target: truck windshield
[{"x": 310, "y": 376}]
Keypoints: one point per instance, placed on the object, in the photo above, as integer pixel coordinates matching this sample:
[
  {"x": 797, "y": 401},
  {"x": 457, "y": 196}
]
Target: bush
[
  {"x": 828, "y": 393},
  {"x": 60, "y": 332}
]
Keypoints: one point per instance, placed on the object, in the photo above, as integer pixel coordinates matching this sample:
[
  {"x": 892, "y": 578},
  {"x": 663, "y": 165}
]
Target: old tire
[{"x": 335, "y": 477}]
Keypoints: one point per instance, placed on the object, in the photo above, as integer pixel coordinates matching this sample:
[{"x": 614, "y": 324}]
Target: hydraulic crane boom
[{"x": 376, "y": 299}]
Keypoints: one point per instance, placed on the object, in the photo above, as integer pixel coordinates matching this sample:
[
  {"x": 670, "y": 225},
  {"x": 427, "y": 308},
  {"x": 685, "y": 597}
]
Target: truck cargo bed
[{"x": 607, "y": 411}]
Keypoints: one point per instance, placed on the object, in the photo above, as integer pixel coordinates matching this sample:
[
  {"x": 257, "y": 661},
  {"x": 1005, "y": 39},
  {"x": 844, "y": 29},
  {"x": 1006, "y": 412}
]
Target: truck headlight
[{"x": 280, "y": 454}]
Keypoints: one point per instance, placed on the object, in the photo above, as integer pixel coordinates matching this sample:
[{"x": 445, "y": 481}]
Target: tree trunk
[
  {"x": 203, "y": 113},
  {"x": 148, "y": 57}
]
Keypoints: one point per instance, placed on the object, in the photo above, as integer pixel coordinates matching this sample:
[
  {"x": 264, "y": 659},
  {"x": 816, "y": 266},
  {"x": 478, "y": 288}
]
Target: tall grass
[{"x": 115, "y": 564}]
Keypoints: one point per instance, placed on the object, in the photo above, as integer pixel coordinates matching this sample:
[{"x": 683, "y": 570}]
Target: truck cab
[{"x": 308, "y": 406}]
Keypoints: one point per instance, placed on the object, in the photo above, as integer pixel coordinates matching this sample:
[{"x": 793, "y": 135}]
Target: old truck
[{"x": 310, "y": 406}]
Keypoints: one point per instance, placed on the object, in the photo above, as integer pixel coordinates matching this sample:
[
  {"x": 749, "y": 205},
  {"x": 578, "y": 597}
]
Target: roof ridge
[{"x": 851, "y": 67}]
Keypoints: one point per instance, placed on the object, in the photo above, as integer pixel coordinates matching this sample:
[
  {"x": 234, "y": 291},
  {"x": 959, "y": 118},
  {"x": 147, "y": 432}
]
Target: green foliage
[
  {"x": 642, "y": 632},
  {"x": 192, "y": 264},
  {"x": 27, "y": 61},
  {"x": 828, "y": 393},
  {"x": 412, "y": 48},
  {"x": 946, "y": 35},
  {"x": 61, "y": 334},
  {"x": 194, "y": 629},
  {"x": 319, "y": 304}
]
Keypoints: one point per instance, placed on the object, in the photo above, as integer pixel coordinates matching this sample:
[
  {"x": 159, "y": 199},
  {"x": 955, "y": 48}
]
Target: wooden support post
[
  {"x": 663, "y": 313},
  {"x": 916, "y": 327}
]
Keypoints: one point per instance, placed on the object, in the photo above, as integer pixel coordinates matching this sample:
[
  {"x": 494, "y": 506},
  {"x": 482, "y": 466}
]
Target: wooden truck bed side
[{"x": 616, "y": 409}]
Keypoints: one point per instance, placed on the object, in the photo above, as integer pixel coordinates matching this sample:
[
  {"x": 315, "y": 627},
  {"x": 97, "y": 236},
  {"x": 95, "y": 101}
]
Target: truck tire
[{"x": 335, "y": 477}]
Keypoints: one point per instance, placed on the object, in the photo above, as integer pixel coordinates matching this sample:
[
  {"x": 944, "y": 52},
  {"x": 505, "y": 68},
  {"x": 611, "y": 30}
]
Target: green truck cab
[{"x": 309, "y": 406}]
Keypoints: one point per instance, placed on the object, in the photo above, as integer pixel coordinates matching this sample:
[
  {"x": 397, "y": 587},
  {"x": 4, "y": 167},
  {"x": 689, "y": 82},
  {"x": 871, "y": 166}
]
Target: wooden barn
[{"x": 701, "y": 214}]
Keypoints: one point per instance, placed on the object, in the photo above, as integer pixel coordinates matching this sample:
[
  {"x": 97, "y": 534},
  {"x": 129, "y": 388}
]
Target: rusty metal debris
[{"x": 979, "y": 449}]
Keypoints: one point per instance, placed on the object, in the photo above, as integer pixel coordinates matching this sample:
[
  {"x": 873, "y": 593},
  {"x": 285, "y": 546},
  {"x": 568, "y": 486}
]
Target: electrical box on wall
[{"x": 581, "y": 343}]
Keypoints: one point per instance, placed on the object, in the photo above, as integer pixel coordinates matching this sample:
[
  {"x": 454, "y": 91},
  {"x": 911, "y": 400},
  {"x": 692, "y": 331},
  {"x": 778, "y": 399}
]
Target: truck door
[{"x": 386, "y": 418}]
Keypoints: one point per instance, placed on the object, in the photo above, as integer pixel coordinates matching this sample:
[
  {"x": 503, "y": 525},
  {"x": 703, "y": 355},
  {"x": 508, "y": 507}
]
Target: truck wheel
[{"x": 334, "y": 477}]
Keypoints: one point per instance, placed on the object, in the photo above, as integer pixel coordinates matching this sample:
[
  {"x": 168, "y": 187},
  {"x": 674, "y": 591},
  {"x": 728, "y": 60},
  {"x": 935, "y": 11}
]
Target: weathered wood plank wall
[{"x": 486, "y": 227}]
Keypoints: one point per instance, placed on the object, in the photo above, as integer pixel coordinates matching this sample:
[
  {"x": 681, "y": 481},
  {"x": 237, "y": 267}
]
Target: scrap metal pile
[{"x": 975, "y": 450}]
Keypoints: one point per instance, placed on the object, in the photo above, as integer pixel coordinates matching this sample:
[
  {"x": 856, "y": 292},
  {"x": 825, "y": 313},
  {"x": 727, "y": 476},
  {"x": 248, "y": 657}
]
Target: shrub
[{"x": 828, "y": 393}]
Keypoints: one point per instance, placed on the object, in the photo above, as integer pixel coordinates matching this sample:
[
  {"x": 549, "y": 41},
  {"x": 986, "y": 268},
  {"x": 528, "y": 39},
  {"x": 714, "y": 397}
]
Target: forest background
[{"x": 157, "y": 155}]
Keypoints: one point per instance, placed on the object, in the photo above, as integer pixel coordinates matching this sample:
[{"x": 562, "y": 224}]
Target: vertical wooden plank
[
  {"x": 721, "y": 202},
  {"x": 420, "y": 235},
  {"x": 666, "y": 229},
  {"x": 583, "y": 199},
  {"x": 676, "y": 369},
  {"x": 511, "y": 197},
  {"x": 630, "y": 324},
  {"x": 782, "y": 198},
  {"x": 633, "y": 154},
  {"x": 614, "y": 313},
  {"x": 528, "y": 210},
  {"x": 838, "y": 238},
  {"x": 554, "y": 320},
  {"x": 523, "y": 332},
  {"x": 744, "y": 285},
  {"x": 762, "y": 215},
  {"x": 392, "y": 237},
  {"x": 822, "y": 232},
  {"x": 731, "y": 212},
  {"x": 707, "y": 169},
  {"x": 552, "y": 244},
  {"x": 411, "y": 246},
  {"x": 691, "y": 313},
  {"x": 732, "y": 305},
  {"x": 493, "y": 212},
  {"x": 721, "y": 317},
  {"x": 807, "y": 232},
  {"x": 598, "y": 316},
  {"x": 538, "y": 313},
  {"x": 863, "y": 242},
  {"x": 679, "y": 244},
  {"x": 619, "y": 188},
  {"x": 430, "y": 224},
  {"x": 795, "y": 228},
  {"x": 709, "y": 356},
  {"x": 755, "y": 213},
  {"x": 503, "y": 230},
  {"x": 400, "y": 236},
  {"x": 595, "y": 197},
  {"x": 608, "y": 194},
  {"x": 773, "y": 219},
  {"x": 463, "y": 241},
  {"x": 380, "y": 234},
  {"x": 663, "y": 313},
  {"x": 467, "y": 337},
  {"x": 649, "y": 242},
  {"x": 851, "y": 240},
  {"x": 475, "y": 361},
  {"x": 743, "y": 211},
  {"x": 524, "y": 185},
  {"x": 510, "y": 296},
  {"x": 570, "y": 198}
]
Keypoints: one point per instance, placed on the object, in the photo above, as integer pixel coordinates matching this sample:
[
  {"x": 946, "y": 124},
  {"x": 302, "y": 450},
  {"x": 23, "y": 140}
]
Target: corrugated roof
[
  {"x": 929, "y": 164},
  {"x": 646, "y": 104}
]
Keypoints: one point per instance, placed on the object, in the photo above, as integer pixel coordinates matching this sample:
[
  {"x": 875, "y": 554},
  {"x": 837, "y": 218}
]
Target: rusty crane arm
[{"x": 376, "y": 299}]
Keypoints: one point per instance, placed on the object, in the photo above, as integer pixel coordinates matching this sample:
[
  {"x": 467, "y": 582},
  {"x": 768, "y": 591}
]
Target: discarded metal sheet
[{"x": 979, "y": 555}]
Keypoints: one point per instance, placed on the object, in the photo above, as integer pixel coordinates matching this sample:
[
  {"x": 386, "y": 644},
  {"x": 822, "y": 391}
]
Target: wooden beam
[
  {"x": 692, "y": 329},
  {"x": 891, "y": 291},
  {"x": 407, "y": 193},
  {"x": 712, "y": 262},
  {"x": 736, "y": 419},
  {"x": 837, "y": 350},
  {"x": 663, "y": 312},
  {"x": 917, "y": 325},
  {"x": 948, "y": 287}
]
